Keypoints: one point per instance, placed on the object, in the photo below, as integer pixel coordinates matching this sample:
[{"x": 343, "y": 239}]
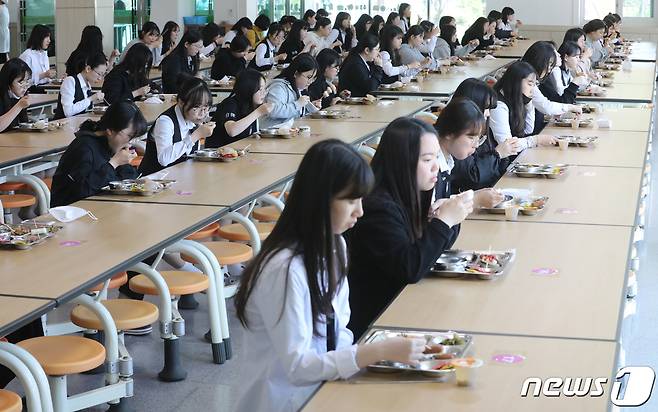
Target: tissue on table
[
  {"x": 153, "y": 100},
  {"x": 517, "y": 193},
  {"x": 66, "y": 214}
]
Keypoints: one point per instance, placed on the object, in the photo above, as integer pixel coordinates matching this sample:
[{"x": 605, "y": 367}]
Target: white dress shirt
[
  {"x": 4, "y": 28},
  {"x": 546, "y": 106},
  {"x": 228, "y": 38},
  {"x": 500, "y": 126},
  {"x": 156, "y": 52},
  {"x": 390, "y": 70},
  {"x": 320, "y": 42},
  {"x": 286, "y": 361},
  {"x": 163, "y": 132},
  {"x": 38, "y": 62},
  {"x": 261, "y": 49},
  {"x": 208, "y": 49},
  {"x": 333, "y": 36},
  {"x": 67, "y": 93}
]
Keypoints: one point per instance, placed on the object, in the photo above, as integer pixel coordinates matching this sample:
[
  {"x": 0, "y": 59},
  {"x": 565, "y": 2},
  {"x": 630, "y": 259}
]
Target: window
[
  {"x": 638, "y": 8},
  {"x": 597, "y": 9},
  {"x": 204, "y": 8},
  {"x": 33, "y": 12},
  {"x": 465, "y": 12}
]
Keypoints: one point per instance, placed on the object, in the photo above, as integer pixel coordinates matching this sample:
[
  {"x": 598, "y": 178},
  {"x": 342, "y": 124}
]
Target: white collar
[
  {"x": 184, "y": 124},
  {"x": 12, "y": 95},
  {"x": 364, "y": 62},
  {"x": 83, "y": 82},
  {"x": 445, "y": 163}
]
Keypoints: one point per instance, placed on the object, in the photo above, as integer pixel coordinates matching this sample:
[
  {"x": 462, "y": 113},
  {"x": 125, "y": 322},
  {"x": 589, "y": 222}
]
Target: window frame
[{"x": 647, "y": 22}]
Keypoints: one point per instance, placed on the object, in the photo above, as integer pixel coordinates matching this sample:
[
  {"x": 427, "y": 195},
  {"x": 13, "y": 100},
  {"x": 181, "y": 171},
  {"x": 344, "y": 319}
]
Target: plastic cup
[
  {"x": 466, "y": 370},
  {"x": 575, "y": 123},
  {"x": 563, "y": 143},
  {"x": 511, "y": 212}
]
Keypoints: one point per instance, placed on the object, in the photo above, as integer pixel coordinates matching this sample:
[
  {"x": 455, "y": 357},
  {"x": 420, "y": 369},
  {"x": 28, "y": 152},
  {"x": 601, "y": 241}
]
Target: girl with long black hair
[
  {"x": 15, "y": 78},
  {"x": 182, "y": 62},
  {"x": 293, "y": 298},
  {"x": 563, "y": 83},
  {"x": 323, "y": 88},
  {"x": 129, "y": 79},
  {"x": 404, "y": 11},
  {"x": 447, "y": 44},
  {"x": 36, "y": 56},
  {"x": 343, "y": 32},
  {"x": 91, "y": 43},
  {"x": 76, "y": 94},
  {"x": 480, "y": 30},
  {"x": 266, "y": 51},
  {"x": 170, "y": 34},
  {"x": 362, "y": 26},
  {"x": 410, "y": 51},
  {"x": 294, "y": 42},
  {"x": 391, "y": 41},
  {"x": 362, "y": 71}
]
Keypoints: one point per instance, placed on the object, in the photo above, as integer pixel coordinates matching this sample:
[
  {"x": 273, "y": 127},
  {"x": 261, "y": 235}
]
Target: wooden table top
[
  {"x": 385, "y": 111},
  {"x": 633, "y": 119},
  {"x": 585, "y": 195},
  {"x": 517, "y": 51},
  {"x": 220, "y": 184},
  {"x": 37, "y": 100},
  {"x": 616, "y": 149},
  {"x": 56, "y": 139},
  {"x": 583, "y": 300},
  {"x": 19, "y": 311},
  {"x": 125, "y": 233},
  {"x": 342, "y": 129},
  {"x": 497, "y": 387},
  {"x": 643, "y": 51},
  {"x": 151, "y": 111},
  {"x": 641, "y": 73},
  {"x": 630, "y": 92},
  {"x": 10, "y": 156}
]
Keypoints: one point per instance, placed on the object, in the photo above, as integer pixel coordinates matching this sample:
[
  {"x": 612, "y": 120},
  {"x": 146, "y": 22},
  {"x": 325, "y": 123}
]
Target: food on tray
[
  {"x": 456, "y": 340},
  {"x": 228, "y": 152}
]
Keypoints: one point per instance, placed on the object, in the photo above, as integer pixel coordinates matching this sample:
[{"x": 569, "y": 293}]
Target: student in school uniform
[
  {"x": 495, "y": 20},
  {"x": 393, "y": 18},
  {"x": 377, "y": 25},
  {"x": 266, "y": 52},
  {"x": 170, "y": 35},
  {"x": 286, "y": 22},
  {"x": 237, "y": 115},
  {"x": 321, "y": 13},
  {"x": 183, "y": 61},
  {"x": 149, "y": 35},
  {"x": 563, "y": 83},
  {"x": 129, "y": 79},
  {"x": 91, "y": 43},
  {"x": 594, "y": 32},
  {"x": 542, "y": 56},
  {"x": 319, "y": 38},
  {"x": 362, "y": 71},
  {"x": 479, "y": 30},
  {"x": 258, "y": 30},
  {"x": 177, "y": 131},
  {"x": 429, "y": 39},
  {"x": 15, "y": 78},
  {"x": 410, "y": 50},
  {"x": 577, "y": 35},
  {"x": 240, "y": 28},
  {"x": 323, "y": 88},
  {"x": 391, "y": 41},
  {"x": 343, "y": 32},
  {"x": 294, "y": 42},
  {"x": 75, "y": 94},
  {"x": 310, "y": 18},
  {"x": 405, "y": 17},
  {"x": 514, "y": 115},
  {"x": 490, "y": 161},
  {"x": 231, "y": 61},
  {"x": 36, "y": 56},
  {"x": 448, "y": 46},
  {"x": 101, "y": 153},
  {"x": 293, "y": 298},
  {"x": 288, "y": 92},
  {"x": 213, "y": 39},
  {"x": 508, "y": 21},
  {"x": 404, "y": 229},
  {"x": 362, "y": 26}
]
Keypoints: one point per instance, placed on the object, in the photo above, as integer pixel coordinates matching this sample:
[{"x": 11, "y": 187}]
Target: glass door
[
  {"x": 129, "y": 16},
  {"x": 33, "y": 12}
]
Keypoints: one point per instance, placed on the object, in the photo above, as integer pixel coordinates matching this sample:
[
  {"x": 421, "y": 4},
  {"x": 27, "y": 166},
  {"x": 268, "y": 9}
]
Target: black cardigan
[
  {"x": 226, "y": 64},
  {"x": 119, "y": 85},
  {"x": 355, "y": 76},
  {"x": 172, "y": 67},
  {"x": 549, "y": 89},
  {"x": 480, "y": 170},
  {"x": 316, "y": 91},
  {"x": 468, "y": 36},
  {"x": 383, "y": 259}
]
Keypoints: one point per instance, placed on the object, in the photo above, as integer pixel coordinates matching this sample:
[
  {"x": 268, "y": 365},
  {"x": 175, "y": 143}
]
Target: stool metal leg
[
  {"x": 58, "y": 392},
  {"x": 35, "y": 369},
  {"x": 25, "y": 377}
]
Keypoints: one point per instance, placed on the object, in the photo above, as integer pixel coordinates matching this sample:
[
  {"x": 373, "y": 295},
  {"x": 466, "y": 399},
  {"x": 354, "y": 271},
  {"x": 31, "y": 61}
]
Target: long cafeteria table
[
  {"x": 622, "y": 119},
  {"x": 629, "y": 93},
  {"x": 16, "y": 311},
  {"x": 498, "y": 383},
  {"x": 640, "y": 73},
  {"x": 85, "y": 252},
  {"x": 516, "y": 51}
]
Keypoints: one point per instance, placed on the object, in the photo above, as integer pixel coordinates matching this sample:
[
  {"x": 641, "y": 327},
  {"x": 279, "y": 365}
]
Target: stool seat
[
  {"x": 65, "y": 355},
  {"x": 10, "y": 401},
  {"x": 266, "y": 213},
  {"x": 178, "y": 282},
  {"x": 238, "y": 233},
  {"x": 15, "y": 201},
  {"x": 117, "y": 280},
  {"x": 204, "y": 233},
  {"x": 127, "y": 314},
  {"x": 276, "y": 194},
  {"x": 12, "y": 186},
  {"x": 227, "y": 253},
  {"x": 48, "y": 181}
]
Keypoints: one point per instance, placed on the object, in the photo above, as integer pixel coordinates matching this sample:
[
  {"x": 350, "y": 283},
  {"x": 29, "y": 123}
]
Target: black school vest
[
  {"x": 268, "y": 53},
  {"x": 79, "y": 96},
  {"x": 150, "y": 162}
]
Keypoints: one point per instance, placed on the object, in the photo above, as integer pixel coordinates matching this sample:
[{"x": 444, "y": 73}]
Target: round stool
[
  {"x": 178, "y": 282},
  {"x": 15, "y": 201},
  {"x": 238, "y": 233},
  {"x": 136, "y": 161},
  {"x": 227, "y": 253},
  {"x": 48, "y": 181},
  {"x": 204, "y": 233},
  {"x": 65, "y": 355},
  {"x": 10, "y": 402},
  {"x": 276, "y": 194},
  {"x": 116, "y": 281},
  {"x": 127, "y": 314},
  {"x": 12, "y": 187},
  {"x": 266, "y": 214}
]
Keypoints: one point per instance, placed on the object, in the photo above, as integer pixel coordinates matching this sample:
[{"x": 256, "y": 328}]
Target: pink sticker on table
[
  {"x": 545, "y": 271},
  {"x": 508, "y": 358},
  {"x": 566, "y": 211},
  {"x": 183, "y": 193},
  {"x": 69, "y": 243}
]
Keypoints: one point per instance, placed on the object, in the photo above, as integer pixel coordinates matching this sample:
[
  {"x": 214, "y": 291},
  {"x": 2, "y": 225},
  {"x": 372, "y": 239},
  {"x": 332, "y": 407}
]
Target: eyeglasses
[
  {"x": 24, "y": 84},
  {"x": 479, "y": 141},
  {"x": 200, "y": 109},
  {"x": 99, "y": 74}
]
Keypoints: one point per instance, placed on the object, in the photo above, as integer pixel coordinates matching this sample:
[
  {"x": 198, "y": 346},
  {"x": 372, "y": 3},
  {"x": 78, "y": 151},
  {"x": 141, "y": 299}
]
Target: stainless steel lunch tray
[
  {"x": 426, "y": 365},
  {"x": 127, "y": 187},
  {"x": 460, "y": 263},
  {"x": 329, "y": 114},
  {"x": 210, "y": 155},
  {"x": 31, "y": 127},
  {"x": 357, "y": 100},
  {"x": 579, "y": 141},
  {"x": 391, "y": 87},
  {"x": 567, "y": 122},
  {"x": 273, "y": 132},
  {"x": 9, "y": 240},
  {"x": 550, "y": 171}
]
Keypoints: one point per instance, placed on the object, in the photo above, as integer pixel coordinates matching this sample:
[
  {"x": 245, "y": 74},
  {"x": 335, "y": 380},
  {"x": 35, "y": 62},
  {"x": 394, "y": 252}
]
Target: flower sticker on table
[
  {"x": 566, "y": 211},
  {"x": 508, "y": 358},
  {"x": 184, "y": 193},
  {"x": 543, "y": 271},
  {"x": 70, "y": 243}
]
